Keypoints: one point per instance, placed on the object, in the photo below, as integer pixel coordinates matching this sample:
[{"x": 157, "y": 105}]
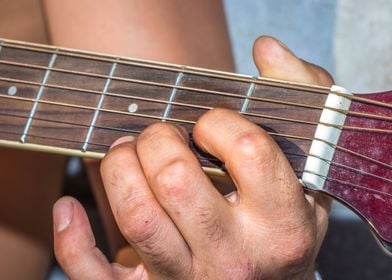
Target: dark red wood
[{"x": 370, "y": 196}]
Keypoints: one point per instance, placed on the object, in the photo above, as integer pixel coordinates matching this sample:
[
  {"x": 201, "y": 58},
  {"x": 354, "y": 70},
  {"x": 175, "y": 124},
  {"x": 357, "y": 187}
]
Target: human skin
[
  {"x": 179, "y": 224},
  {"x": 184, "y": 32},
  {"x": 126, "y": 28}
]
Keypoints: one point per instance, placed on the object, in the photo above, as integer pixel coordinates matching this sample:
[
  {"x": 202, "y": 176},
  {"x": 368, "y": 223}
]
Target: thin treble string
[
  {"x": 131, "y": 97},
  {"x": 192, "y": 89},
  {"x": 158, "y": 84},
  {"x": 314, "y": 89},
  {"x": 199, "y": 158},
  {"x": 132, "y": 114},
  {"x": 181, "y": 121},
  {"x": 287, "y": 154}
]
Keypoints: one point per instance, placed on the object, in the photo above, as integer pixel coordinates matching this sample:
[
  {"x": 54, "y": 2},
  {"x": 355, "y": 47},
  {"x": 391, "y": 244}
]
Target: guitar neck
[{"x": 78, "y": 103}]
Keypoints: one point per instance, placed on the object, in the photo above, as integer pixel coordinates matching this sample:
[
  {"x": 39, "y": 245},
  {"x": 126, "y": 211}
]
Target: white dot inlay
[
  {"x": 132, "y": 108},
  {"x": 12, "y": 90}
]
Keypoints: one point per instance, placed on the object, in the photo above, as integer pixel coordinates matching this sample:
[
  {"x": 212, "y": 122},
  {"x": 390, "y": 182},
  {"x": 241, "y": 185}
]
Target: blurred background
[{"x": 353, "y": 41}]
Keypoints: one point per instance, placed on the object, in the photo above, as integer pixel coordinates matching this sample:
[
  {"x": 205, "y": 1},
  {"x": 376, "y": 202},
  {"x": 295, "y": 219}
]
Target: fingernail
[
  {"x": 62, "y": 214},
  {"x": 122, "y": 140}
]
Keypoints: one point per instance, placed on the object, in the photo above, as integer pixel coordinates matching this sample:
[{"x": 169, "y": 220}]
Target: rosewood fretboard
[{"x": 84, "y": 102}]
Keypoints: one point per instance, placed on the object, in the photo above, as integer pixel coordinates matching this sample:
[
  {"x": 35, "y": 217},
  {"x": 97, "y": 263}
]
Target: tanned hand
[{"x": 176, "y": 220}]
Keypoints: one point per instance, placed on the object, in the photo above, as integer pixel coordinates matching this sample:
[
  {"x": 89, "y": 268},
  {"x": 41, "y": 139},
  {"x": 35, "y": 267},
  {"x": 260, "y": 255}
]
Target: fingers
[
  {"x": 274, "y": 60},
  {"x": 200, "y": 213},
  {"x": 263, "y": 176},
  {"x": 260, "y": 170},
  {"x": 139, "y": 216},
  {"x": 74, "y": 245}
]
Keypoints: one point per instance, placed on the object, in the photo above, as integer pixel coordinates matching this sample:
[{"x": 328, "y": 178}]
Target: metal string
[
  {"x": 190, "y": 70},
  {"x": 288, "y": 154},
  {"x": 195, "y": 106},
  {"x": 181, "y": 121},
  {"x": 199, "y": 158},
  {"x": 212, "y": 92}
]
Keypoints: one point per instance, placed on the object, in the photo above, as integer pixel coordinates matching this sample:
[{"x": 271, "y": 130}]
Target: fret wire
[
  {"x": 193, "y": 122},
  {"x": 38, "y": 97},
  {"x": 191, "y": 139},
  {"x": 188, "y": 105},
  {"x": 296, "y": 171},
  {"x": 287, "y": 154},
  {"x": 196, "y": 90},
  {"x": 158, "y": 84},
  {"x": 135, "y": 114},
  {"x": 99, "y": 106},
  {"x": 249, "y": 93},
  {"x": 163, "y": 102},
  {"x": 172, "y": 97},
  {"x": 315, "y": 89},
  {"x": 204, "y": 107},
  {"x": 111, "y": 129}
]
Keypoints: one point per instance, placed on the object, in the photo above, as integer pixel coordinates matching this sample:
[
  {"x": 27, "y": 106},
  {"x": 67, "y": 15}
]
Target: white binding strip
[{"x": 326, "y": 137}]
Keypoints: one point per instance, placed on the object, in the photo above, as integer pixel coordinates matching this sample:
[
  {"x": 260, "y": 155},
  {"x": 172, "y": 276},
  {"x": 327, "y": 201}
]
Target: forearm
[{"x": 186, "y": 32}]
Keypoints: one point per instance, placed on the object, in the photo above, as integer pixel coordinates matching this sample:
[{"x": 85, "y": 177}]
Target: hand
[{"x": 180, "y": 225}]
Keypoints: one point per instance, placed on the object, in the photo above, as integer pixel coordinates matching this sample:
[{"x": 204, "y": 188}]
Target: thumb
[
  {"x": 274, "y": 60},
  {"x": 75, "y": 248}
]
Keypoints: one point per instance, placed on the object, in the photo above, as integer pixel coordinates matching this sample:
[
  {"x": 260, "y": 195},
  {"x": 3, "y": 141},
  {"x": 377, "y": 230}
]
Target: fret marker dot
[
  {"x": 132, "y": 108},
  {"x": 12, "y": 90}
]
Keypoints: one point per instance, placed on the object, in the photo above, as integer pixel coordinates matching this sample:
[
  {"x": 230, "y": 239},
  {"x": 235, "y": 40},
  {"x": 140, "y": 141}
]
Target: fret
[
  {"x": 37, "y": 99},
  {"x": 249, "y": 93},
  {"x": 98, "y": 107},
  {"x": 172, "y": 97}
]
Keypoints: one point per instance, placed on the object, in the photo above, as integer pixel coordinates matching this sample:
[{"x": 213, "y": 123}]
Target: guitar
[{"x": 77, "y": 103}]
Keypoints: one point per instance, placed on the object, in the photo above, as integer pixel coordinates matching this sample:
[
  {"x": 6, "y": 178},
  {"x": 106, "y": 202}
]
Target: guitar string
[
  {"x": 192, "y": 89},
  {"x": 169, "y": 67},
  {"x": 190, "y": 70},
  {"x": 183, "y": 121},
  {"x": 189, "y": 105},
  {"x": 199, "y": 158},
  {"x": 191, "y": 139}
]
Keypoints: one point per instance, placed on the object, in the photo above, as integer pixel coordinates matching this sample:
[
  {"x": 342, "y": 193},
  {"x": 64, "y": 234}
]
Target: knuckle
[
  {"x": 254, "y": 147},
  {"x": 174, "y": 179}
]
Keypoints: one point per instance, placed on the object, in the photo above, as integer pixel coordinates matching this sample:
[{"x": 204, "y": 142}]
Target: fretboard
[{"x": 78, "y": 103}]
